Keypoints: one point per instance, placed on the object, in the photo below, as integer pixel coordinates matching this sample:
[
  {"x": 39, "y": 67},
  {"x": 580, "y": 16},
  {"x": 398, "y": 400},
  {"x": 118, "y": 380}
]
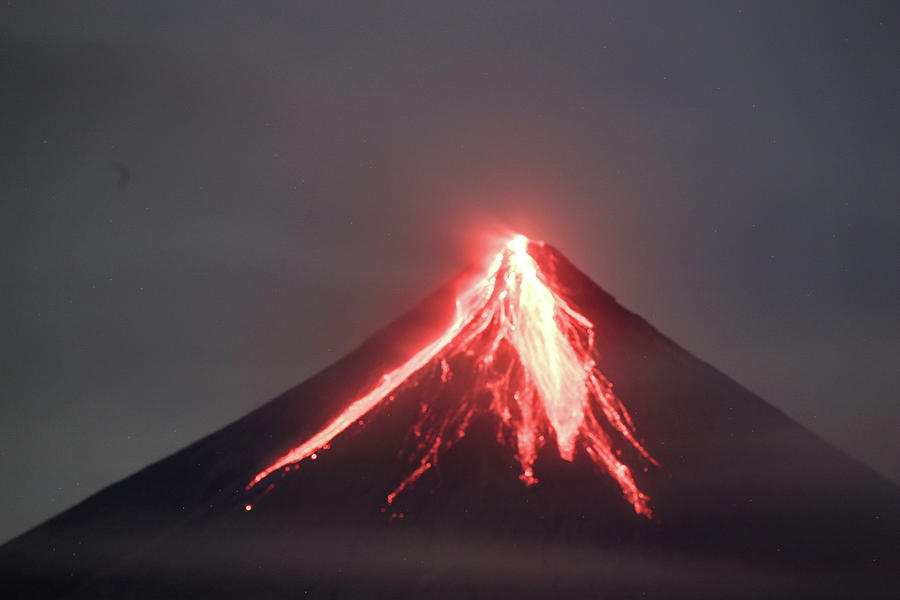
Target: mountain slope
[{"x": 746, "y": 503}]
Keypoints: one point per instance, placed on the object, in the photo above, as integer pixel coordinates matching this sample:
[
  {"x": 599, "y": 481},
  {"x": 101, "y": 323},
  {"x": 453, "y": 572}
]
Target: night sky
[{"x": 204, "y": 205}]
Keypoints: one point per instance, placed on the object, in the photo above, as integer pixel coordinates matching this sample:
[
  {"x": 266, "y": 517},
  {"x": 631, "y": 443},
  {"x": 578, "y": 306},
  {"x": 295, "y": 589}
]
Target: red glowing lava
[{"x": 532, "y": 354}]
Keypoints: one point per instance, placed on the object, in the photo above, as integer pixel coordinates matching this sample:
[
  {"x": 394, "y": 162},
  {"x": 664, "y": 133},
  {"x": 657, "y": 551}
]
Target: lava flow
[{"x": 531, "y": 354}]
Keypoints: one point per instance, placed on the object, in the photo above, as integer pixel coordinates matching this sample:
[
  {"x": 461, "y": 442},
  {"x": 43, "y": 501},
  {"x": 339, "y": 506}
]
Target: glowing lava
[{"x": 531, "y": 354}]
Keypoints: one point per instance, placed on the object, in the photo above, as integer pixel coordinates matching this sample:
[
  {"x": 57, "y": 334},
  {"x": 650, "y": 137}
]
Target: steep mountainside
[{"x": 744, "y": 502}]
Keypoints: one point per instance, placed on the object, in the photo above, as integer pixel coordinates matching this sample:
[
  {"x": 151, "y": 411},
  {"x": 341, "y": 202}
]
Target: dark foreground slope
[{"x": 747, "y": 503}]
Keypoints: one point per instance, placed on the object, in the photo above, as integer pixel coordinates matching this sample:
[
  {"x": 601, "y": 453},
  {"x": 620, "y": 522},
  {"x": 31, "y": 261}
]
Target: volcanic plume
[{"x": 517, "y": 434}]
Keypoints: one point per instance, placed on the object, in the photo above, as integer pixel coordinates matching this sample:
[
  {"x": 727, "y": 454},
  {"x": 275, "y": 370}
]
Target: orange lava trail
[{"x": 533, "y": 353}]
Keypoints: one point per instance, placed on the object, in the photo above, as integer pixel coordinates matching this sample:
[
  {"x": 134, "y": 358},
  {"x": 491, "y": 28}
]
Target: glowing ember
[{"x": 532, "y": 357}]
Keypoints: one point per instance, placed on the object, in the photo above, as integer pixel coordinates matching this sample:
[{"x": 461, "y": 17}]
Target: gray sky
[{"x": 204, "y": 204}]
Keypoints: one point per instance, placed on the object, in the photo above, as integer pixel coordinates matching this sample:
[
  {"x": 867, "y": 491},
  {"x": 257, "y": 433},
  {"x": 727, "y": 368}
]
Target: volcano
[{"x": 517, "y": 434}]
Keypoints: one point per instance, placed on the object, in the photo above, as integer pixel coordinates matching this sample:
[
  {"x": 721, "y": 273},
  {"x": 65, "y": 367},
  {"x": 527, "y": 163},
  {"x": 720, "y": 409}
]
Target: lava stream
[{"x": 532, "y": 353}]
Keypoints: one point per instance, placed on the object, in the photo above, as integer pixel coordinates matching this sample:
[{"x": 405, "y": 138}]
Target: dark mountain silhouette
[{"x": 746, "y": 503}]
